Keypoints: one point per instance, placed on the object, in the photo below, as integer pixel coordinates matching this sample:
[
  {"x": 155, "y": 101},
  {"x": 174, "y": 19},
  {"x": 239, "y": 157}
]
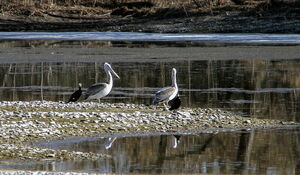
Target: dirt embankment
[{"x": 198, "y": 16}]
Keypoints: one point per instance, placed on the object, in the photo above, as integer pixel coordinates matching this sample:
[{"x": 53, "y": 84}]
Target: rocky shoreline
[{"x": 25, "y": 122}]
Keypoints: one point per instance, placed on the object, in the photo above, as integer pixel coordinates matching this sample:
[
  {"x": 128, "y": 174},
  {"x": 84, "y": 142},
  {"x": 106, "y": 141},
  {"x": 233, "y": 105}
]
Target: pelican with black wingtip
[
  {"x": 166, "y": 94},
  {"x": 99, "y": 90}
]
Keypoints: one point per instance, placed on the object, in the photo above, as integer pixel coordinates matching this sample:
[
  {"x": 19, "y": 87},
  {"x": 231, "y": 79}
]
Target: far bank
[{"x": 151, "y": 16}]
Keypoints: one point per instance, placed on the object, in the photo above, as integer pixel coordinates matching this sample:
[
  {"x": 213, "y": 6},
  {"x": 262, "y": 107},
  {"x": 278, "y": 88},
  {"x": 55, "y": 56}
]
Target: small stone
[
  {"x": 96, "y": 121},
  {"x": 248, "y": 121},
  {"x": 110, "y": 119},
  {"x": 111, "y": 128},
  {"x": 206, "y": 125},
  {"x": 122, "y": 129},
  {"x": 122, "y": 115},
  {"x": 84, "y": 121},
  {"x": 50, "y": 155}
]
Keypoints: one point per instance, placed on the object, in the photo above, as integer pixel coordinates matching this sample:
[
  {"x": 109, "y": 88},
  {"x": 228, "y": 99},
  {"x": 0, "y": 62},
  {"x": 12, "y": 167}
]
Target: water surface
[
  {"x": 256, "y": 75},
  {"x": 258, "y": 81},
  {"x": 224, "y": 152},
  {"x": 144, "y": 37}
]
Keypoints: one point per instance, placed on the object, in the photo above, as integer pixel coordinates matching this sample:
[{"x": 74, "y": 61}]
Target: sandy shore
[{"x": 25, "y": 122}]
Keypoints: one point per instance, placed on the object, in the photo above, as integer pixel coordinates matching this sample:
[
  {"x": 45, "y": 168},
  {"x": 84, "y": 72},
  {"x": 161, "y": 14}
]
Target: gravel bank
[{"x": 25, "y": 122}]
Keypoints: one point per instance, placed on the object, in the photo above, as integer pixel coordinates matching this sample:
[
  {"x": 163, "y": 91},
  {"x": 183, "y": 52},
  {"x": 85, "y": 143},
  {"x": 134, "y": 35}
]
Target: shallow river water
[
  {"x": 225, "y": 152},
  {"x": 255, "y": 75}
]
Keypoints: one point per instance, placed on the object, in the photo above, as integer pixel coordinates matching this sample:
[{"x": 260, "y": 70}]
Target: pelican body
[
  {"x": 99, "y": 90},
  {"x": 167, "y": 93}
]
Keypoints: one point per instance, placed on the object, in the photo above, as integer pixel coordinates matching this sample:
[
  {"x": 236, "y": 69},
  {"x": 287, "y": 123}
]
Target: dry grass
[{"x": 87, "y": 8}]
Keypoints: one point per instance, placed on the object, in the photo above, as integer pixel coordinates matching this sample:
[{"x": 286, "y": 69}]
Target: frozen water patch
[{"x": 135, "y": 36}]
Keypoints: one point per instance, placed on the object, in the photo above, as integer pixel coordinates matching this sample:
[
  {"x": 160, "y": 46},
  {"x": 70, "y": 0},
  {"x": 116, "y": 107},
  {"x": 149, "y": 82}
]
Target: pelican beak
[{"x": 114, "y": 73}]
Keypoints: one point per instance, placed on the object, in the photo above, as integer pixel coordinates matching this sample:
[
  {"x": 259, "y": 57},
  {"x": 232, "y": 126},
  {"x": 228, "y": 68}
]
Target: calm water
[
  {"x": 258, "y": 88},
  {"x": 238, "y": 152},
  {"x": 133, "y": 36},
  {"x": 256, "y": 75}
]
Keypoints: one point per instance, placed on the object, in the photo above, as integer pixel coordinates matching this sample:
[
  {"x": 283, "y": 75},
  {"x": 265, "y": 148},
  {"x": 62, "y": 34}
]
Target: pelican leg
[{"x": 165, "y": 105}]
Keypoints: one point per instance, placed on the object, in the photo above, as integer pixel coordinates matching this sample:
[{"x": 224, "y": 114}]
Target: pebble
[
  {"x": 21, "y": 125},
  {"x": 50, "y": 155},
  {"x": 248, "y": 121}
]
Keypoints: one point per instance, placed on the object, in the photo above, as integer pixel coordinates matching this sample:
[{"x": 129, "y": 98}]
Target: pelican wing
[
  {"x": 94, "y": 89},
  {"x": 163, "y": 94}
]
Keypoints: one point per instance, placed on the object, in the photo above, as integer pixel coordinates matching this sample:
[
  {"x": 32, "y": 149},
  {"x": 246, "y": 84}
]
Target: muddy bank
[
  {"x": 230, "y": 22},
  {"x": 25, "y": 122},
  {"x": 228, "y": 18}
]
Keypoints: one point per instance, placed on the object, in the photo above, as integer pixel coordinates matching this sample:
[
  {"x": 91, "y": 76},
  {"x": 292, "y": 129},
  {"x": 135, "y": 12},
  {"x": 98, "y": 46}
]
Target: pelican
[
  {"x": 99, "y": 90},
  {"x": 76, "y": 95},
  {"x": 167, "y": 93}
]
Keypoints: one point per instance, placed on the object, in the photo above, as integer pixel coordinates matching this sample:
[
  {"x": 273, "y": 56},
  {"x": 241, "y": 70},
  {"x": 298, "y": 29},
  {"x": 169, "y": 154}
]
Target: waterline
[{"x": 158, "y": 37}]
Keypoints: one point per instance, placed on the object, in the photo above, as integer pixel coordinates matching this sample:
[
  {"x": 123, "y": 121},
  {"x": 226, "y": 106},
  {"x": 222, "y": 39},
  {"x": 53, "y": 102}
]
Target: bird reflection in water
[
  {"x": 109, "y": 142},
  {"x": 175, "y": 140}
]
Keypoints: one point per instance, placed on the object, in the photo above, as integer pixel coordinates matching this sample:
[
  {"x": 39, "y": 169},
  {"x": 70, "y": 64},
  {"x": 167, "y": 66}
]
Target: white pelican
[
  {"x": 99, "y": 90},
  {"x": 167, "y": 93}
]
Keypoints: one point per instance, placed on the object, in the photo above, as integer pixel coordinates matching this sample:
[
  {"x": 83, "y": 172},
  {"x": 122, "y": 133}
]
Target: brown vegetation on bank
[
  {"x": 103, "y": 15},
  {"x": 88, "y": 8}
]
